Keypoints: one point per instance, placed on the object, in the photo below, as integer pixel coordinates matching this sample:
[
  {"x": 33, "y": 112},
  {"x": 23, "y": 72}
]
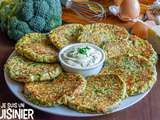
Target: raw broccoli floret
[
  {"x": 41, "y": 8},
  {"x": 23, "y": 27},
  {"x": 37, "y": 23},
  {"x": 12, "y": 23},
  {"x": 27, "y": 11},
  {"x": 17, "y": 28},
  {"x": 52, "y": 23},
  {"x": 8, "y": 8},
  {"x": 15, "y": 34},
  {"x": 32, "y": 16}
]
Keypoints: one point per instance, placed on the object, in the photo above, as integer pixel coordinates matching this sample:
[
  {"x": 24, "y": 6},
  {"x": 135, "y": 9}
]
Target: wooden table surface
[
  {"x": 146, "y": 109},
  {"x": 71, "y": 17}
]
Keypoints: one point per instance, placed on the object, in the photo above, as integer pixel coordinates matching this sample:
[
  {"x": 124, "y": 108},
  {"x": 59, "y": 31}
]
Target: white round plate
[{"x": 17, "y": 88}]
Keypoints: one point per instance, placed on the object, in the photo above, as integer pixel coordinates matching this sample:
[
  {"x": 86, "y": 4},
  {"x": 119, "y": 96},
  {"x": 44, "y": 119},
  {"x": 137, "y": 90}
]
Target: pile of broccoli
[{"x": 31, "y": 16}]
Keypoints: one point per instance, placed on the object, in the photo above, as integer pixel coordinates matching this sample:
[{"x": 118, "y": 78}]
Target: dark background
[{"x": 146, "y": 109}]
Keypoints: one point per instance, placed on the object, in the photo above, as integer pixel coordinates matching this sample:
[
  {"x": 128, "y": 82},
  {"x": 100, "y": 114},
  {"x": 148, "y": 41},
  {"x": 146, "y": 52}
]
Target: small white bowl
[{"x": 85, "y": 71}]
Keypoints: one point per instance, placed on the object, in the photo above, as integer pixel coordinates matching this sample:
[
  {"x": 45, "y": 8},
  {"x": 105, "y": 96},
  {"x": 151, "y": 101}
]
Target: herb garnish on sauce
[{"x": 83, "y": 50}]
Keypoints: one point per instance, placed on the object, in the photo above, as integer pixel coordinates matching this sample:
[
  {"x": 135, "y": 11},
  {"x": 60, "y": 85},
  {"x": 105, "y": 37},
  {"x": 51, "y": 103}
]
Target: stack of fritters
[
  {"x": 32, "y": 60},
  {"x": 129, "y": 68}
]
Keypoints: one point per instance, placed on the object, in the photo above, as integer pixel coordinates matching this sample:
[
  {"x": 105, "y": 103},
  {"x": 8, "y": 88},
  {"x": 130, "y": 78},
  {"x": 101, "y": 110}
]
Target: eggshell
[{"x": 129, "y": 9}]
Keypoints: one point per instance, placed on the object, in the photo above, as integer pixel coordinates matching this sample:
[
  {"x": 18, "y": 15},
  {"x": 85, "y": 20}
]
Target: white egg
[{"x": 129, "y": 9}]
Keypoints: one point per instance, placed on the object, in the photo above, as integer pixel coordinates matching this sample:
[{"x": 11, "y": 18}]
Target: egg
[
  {"x": 129, "y": 9},
  {"x": 141, "y": 28}
]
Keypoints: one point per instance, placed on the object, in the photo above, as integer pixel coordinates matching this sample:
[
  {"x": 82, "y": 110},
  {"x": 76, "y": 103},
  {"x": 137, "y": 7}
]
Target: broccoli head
[
  {"x": 33, "y": 16},
  {"x": 37, "y": 23},
  {"x": 18, "y": 28},
  {"x": 41, "y": 8},
  {"x": 15, "y": 34},
  {"x": 27, "y": 11}
]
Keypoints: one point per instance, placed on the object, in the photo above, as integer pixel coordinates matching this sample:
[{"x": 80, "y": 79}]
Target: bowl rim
[{"x": 82, "y": 68}]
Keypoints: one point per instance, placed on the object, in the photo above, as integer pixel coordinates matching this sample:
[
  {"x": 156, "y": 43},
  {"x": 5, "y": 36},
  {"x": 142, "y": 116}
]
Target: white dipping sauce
[{"x": 82, "y": 56}]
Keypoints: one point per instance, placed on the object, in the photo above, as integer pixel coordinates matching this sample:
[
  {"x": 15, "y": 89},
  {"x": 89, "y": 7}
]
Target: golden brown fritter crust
[
  {"x": 55, "y": 92},
  {"x": 65, "y": 35},
  {"x": 101, "y": 33},
  {"x": 138, "y": 73},
  {"x": 143, "y": 48},
  {"x": 116, "y": 48},
  {"x": 102, "y": 94},
  {"x": 24, "y": 70},
  {"x": 37, "y": 47},
  {"x": 133, "y": 46}
]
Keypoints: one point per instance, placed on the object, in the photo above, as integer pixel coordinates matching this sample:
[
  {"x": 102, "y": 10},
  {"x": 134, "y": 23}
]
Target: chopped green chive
[{"x": 83, "y": 50}]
